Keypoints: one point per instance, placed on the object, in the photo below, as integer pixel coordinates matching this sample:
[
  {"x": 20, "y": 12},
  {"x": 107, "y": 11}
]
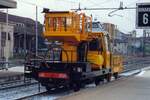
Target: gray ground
[{"x": 133, "y": 88}]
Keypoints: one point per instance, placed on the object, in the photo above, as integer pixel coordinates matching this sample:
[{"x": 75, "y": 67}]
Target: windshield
[{"x": 97, "y": 27}]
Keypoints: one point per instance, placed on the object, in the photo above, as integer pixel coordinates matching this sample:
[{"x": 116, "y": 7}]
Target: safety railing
[{"x": 74, "y": 24}]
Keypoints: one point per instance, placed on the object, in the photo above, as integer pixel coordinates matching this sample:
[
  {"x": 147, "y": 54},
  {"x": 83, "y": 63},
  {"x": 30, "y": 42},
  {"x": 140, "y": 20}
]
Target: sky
[{"x": 124, "y": 19}]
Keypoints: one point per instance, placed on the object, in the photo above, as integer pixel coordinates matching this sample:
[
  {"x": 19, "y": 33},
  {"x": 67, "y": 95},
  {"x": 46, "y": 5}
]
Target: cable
[{"x": 104, "y": 8}]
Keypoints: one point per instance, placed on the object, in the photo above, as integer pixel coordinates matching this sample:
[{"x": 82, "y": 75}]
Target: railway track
[
  {"x": 44, "y": 95},
  {"x": 15, "y": 84},
  {"x": 18, "y": 80},
  {"x": 20, "y": 91},
  {"x": 136, "y": 64},
  {"x": 15, "y": 81},
  {"x": 144, "y": 64},
  {"x": 130, "y": 66}
]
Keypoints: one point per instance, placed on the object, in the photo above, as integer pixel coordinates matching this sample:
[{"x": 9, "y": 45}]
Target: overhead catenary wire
[
  {"x": 114, "y": 9},
  {"x": 96, "y": 8},
  {"x": 105, "y": 8}
]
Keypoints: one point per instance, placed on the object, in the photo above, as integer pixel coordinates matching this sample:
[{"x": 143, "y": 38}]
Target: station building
[
  {"x": 6, "y": 32},
  {"x": 24, "y": 33},
  {"x": 6, "y": 43}
]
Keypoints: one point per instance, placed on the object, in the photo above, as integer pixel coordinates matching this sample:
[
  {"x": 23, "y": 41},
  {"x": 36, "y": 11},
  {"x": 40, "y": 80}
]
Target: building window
[
  {"x": 95, "y": 45},
  {"x": 9, "y": 38},
  {"x": 3, "y": 39}
]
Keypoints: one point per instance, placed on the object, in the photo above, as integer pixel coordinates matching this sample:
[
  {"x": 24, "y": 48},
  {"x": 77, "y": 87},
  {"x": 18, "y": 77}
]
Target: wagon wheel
[
  {"x": 108, "y": 77},
  {"x": 76, "y": 86},
  {"x": 115, "y": 75}
]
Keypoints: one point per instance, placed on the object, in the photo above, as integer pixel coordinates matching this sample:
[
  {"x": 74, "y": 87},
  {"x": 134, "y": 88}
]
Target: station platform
[
  {"x": 14, "y": 71},
  {"x": 132, "y": 88}
]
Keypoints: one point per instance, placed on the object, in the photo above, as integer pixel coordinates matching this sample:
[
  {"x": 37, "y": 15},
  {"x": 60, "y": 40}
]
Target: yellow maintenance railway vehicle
[{"x": 76, "y": 55}]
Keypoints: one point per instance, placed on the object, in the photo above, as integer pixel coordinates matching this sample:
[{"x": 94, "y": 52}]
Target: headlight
[{"x": 79, "y": 69}]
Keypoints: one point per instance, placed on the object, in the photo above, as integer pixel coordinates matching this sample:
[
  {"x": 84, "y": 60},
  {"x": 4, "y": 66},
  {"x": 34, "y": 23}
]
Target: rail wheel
[
  {"x": 108, "y": 77},
  {"x": 97, "y": 81},
  {"x": 48, "y": 88},
  {"x": 115, "y": 75},
  {"x": 76, "y": 86}
]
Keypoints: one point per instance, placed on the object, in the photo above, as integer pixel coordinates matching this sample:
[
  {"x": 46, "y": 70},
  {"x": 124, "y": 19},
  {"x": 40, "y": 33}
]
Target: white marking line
[{"x": 141, "y": 73}]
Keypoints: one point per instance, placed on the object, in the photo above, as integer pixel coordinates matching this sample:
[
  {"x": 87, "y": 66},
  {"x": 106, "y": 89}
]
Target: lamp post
[
  {"x": 6, "y": 39},
  {"x": 36, "y": 30},
  {"x": 25, "y": 48}
]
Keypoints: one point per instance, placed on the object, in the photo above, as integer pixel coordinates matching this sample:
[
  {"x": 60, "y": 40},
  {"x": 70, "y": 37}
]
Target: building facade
[
  {"x": 24, "y": 33},
  {"x": 118, "y": 39},
  {"x": 6, "y": 40},
  {"x": 110, "y": 28},
  {"x": 146, "y": 42}
]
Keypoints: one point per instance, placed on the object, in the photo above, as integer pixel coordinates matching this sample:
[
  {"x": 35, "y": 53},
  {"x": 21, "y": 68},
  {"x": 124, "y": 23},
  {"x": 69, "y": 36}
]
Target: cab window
[{"x": 95, "y": 45}]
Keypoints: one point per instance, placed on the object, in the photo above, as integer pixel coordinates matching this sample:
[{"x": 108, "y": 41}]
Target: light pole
[
  {"x": 36, "y": 30},
  {"x": 6, "y": 39},
  {"x": 25, "y": 40}
]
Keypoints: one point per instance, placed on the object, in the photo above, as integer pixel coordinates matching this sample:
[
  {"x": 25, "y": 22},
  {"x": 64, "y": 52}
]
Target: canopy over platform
[{"x": 8, "y": 4}]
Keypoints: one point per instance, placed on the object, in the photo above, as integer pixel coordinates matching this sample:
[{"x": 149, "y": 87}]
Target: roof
[
  {"x": 8, "y": 4},
  {"x": 58, "y": 11},
  {"x": 19, "y": 21},
  {"x": 14, "y": 18}
]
